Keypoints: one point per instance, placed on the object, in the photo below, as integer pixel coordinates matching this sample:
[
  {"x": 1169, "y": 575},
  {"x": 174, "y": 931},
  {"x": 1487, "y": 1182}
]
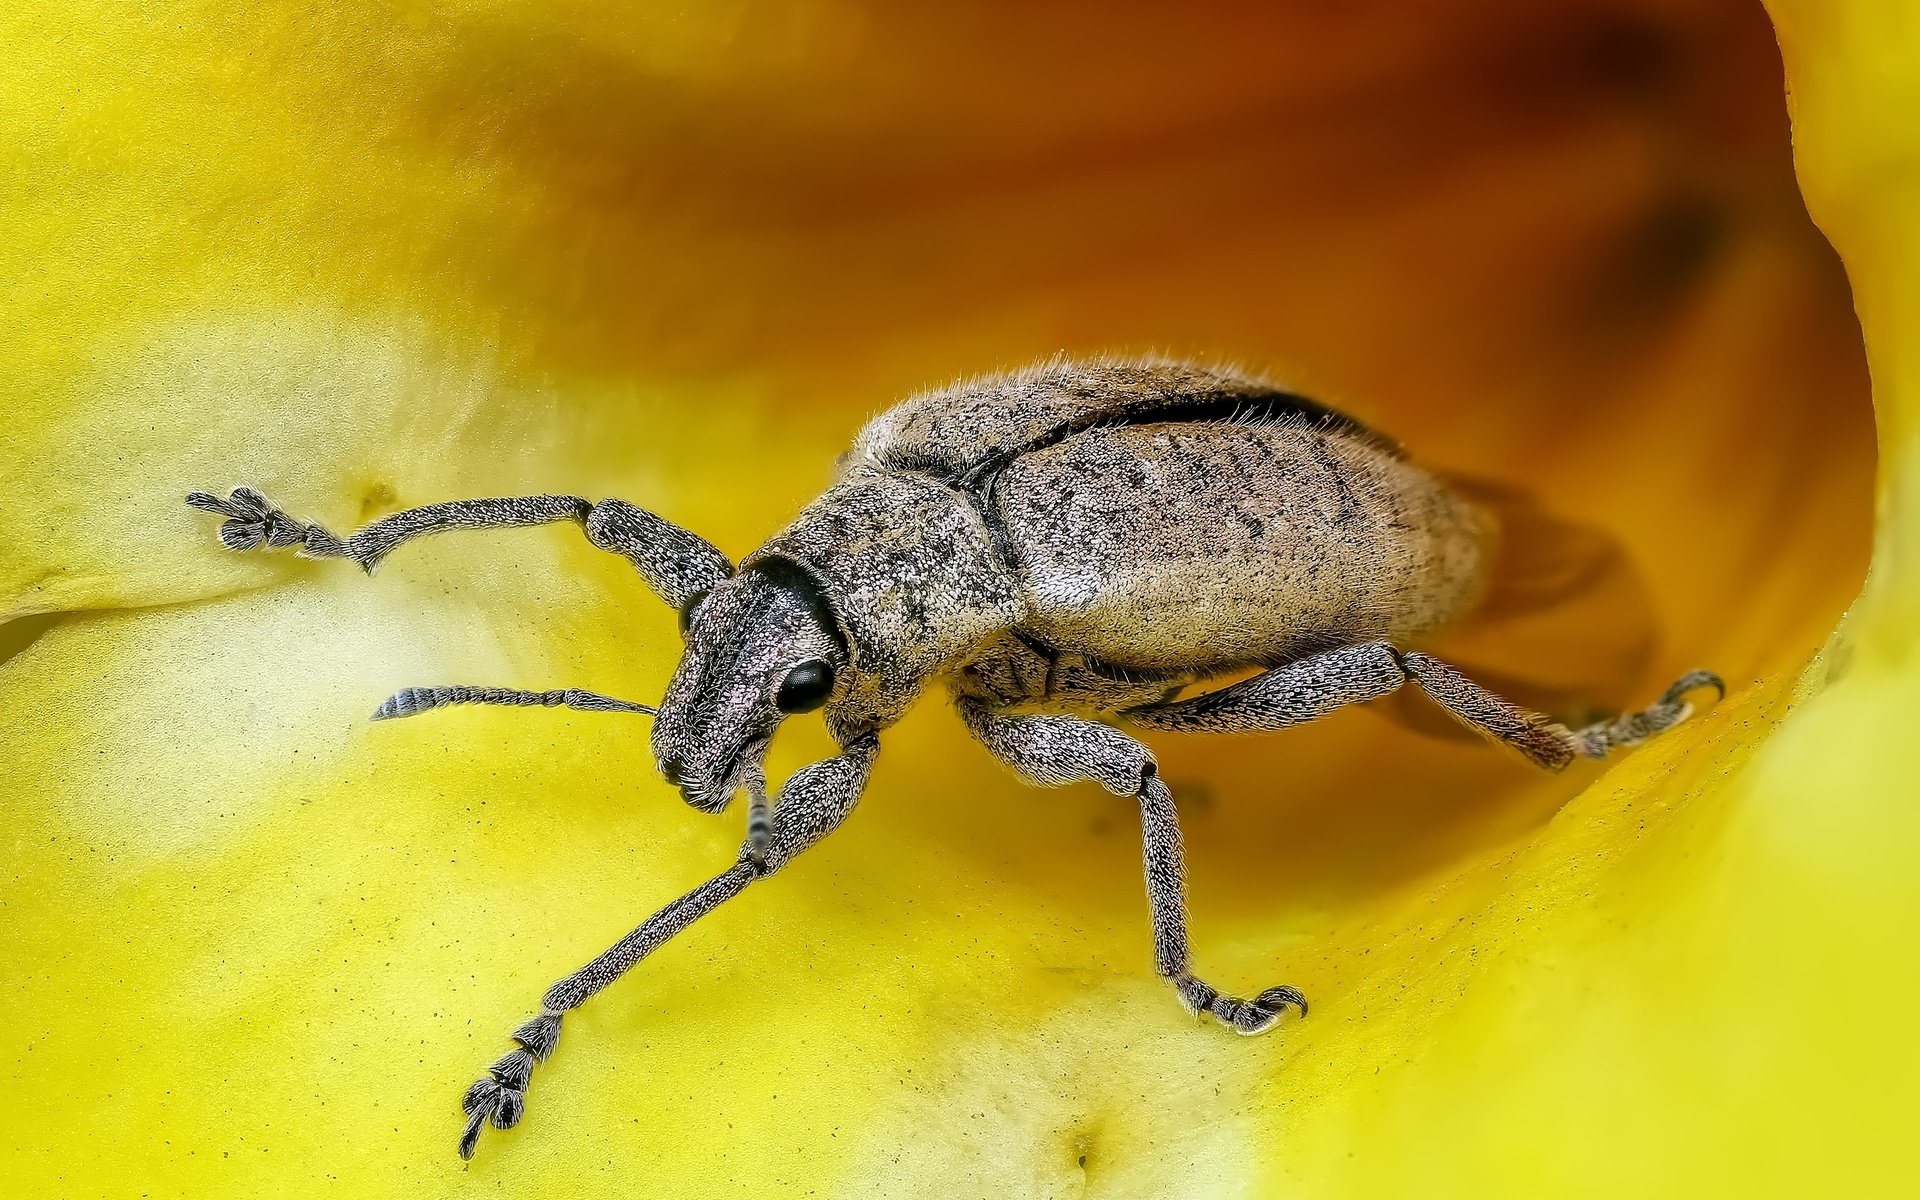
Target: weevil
[{"x": 1067, "y": 550}]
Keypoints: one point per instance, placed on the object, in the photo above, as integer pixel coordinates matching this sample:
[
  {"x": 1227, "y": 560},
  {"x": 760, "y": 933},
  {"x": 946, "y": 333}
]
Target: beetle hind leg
[
  {"x": 1541, "y": 739},
  {"x": 1630, "y": 729},
  {"x": 1316, "y": 685}
]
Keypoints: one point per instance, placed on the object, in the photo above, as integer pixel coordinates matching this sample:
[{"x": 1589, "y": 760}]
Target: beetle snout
[
  {"x": 708, "y": 778},
  {"x": 674, "y": 771}
]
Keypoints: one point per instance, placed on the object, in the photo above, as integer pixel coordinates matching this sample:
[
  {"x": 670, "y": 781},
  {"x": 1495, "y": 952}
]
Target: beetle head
[{"x": 760, "y": 647}]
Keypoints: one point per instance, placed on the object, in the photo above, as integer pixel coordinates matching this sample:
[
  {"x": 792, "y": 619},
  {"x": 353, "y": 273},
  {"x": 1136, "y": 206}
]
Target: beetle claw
[{"x": 1693, "y": 681}]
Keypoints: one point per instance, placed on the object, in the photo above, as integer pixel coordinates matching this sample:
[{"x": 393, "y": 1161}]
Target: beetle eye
[
  {"x": 805, "y": 688},
  {"x": 686, "y": 610}
]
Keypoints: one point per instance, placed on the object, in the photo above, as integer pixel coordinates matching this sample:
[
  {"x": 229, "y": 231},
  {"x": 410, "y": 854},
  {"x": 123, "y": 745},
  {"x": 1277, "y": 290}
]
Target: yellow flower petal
[{"x": 363, "y": 258}]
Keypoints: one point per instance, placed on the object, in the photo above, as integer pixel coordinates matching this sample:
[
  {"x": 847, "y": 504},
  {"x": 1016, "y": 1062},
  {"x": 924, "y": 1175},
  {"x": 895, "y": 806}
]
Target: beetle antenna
[
  {"x": 759, "y": 818},
  {"x": 411, "y": 701}
]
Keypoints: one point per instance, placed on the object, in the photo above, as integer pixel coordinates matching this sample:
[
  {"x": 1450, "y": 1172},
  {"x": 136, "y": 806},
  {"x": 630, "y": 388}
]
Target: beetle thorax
[{"x": 910, "y": 572}]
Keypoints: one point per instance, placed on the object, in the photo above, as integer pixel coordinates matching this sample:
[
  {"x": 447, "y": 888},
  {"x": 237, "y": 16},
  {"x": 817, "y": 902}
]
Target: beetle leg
[
  {"x": 1286, "y": 696},
  {"x": 1630, "y": 729},
  {"x": 675, "y": 563},
  {"x": 1053, "y": 750},
  {"x": 1542, "y": 740},
  {"x": 1320, "y": 683},
  {"x": 812, "y": 804}
]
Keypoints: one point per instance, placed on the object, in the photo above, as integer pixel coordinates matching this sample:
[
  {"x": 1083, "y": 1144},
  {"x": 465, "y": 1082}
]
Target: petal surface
[{"x": 371, "y": 256}]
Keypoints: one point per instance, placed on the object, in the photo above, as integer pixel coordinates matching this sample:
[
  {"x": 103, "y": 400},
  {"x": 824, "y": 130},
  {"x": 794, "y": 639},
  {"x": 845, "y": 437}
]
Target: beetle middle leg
[{"x": 1050, "y": 749}]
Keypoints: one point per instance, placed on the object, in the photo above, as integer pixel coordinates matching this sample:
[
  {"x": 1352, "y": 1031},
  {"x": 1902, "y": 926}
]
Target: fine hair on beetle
[{"x": 1073, "y": 552}]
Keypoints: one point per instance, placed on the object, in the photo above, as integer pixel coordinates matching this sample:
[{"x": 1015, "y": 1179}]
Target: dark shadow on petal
[{"x": 19, "y": 634}]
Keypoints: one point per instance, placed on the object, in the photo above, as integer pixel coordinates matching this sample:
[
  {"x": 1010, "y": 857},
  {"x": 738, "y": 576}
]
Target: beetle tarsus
[
  {"x": 1633, "y": 728},
  {"x": 500, "y": 1098},
  {"x": 1694, "y": 681},
  {"x": 253, "y": 521},
  {"x": 1254, "y": 1016},
  {"x": 1261, "y": 1013}
]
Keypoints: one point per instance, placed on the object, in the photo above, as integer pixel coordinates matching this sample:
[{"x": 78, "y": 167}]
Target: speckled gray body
[
  {"x": 1090, "y": 537},
  {"x": 1075, "y": 541}
]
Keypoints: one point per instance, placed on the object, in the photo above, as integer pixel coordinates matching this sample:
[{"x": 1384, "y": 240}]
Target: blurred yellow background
[{"x": 379, "y": 254}]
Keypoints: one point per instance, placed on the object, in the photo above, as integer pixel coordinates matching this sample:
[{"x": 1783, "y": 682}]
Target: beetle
[{"x": 1066, "y": 549}]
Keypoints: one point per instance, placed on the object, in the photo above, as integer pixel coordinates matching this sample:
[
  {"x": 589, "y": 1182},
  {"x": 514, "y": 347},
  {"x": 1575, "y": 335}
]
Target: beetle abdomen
[{"x": 1209, "y": 545}]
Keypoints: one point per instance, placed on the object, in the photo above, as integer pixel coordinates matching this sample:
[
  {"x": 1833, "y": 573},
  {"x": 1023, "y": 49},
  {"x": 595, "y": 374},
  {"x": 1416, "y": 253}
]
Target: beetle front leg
[
  {"x": 1053, "y": 750},
  {"x": 676, "y": 564},
  {"x": 811, "y": 805}
]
